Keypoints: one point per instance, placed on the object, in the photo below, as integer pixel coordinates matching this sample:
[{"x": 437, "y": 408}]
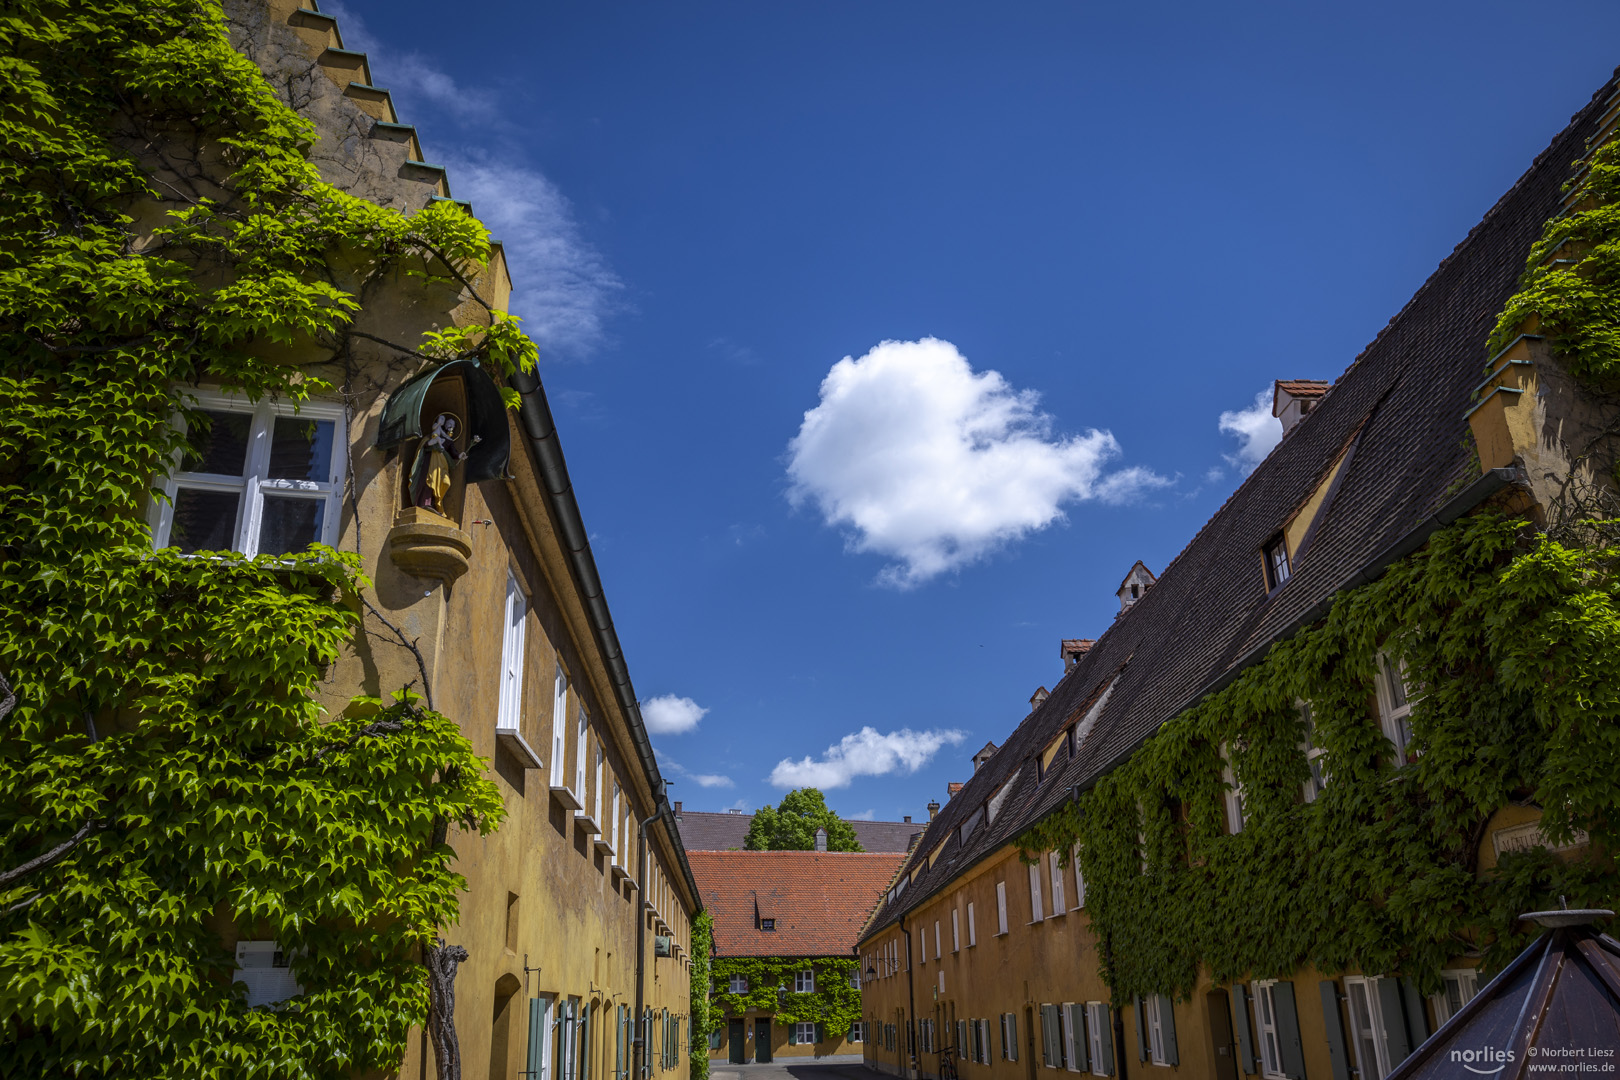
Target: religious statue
[{"x": 430, "y": 478}]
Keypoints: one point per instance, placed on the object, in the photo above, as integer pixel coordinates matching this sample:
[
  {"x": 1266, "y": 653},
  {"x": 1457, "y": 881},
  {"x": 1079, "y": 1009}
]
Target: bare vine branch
[{"x": 40, "y": 862}]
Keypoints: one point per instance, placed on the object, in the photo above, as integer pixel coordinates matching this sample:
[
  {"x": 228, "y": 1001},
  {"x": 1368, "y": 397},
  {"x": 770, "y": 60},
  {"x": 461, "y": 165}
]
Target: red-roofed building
[{"x": 789, "y": 910}]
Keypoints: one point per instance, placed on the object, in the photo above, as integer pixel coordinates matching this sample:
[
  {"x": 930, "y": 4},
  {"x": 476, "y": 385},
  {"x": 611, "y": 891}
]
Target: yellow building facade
[
  {"x": 577, "y": 919},
  {"x": 983, "y": 958}
]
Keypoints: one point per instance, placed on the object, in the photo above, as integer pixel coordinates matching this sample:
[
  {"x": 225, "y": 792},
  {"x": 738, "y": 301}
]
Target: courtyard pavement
[{"x": 840, "y": 1067}]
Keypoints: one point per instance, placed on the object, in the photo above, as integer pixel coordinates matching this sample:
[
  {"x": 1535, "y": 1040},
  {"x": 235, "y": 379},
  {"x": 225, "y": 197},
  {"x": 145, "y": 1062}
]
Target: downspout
[
  {"x": 534, "y": 417},
  {"x": 638, "y": 1044}
]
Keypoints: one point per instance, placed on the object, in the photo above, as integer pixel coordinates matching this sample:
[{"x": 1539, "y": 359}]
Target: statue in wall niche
[{"x": 430, "y": 476}]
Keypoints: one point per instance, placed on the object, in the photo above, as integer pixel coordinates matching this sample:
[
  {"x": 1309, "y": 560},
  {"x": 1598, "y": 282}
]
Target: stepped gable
[
  {"x": 702, "y": 830},
  {"x": 1400, "y": 408},
  {"x": 819, "y": 899}
]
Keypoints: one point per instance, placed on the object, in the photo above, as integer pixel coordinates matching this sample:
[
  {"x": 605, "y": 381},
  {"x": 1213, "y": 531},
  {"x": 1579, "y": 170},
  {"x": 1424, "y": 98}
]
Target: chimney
[
  {"x": 1135, "y": 586},
  {"x": 1072, "y": 649},
  {"x": 951, "y": 789},
  {"x": 933, "y": 809},
  {"x": 1037, "y": 697},
  {"x": 821, "y": 839},
  {"x": 908, "y": 819},
  {"x": 677, "y": 809},
  {"x": 984, "y": 755},
  {"x": 1293, "y": 399},
  {"x": 734, "y": 810}
]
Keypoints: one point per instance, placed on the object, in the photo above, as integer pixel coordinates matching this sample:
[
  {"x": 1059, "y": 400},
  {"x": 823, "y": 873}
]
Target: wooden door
[
  {"x": 737, "y": 1032},
  {"x": 762, "y": 1039},
  {"x": 1220, "y": 1033}
]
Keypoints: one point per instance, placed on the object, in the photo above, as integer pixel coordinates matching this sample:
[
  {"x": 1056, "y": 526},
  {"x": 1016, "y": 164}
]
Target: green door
[
  {"x": 762, "y": 1039},
  {"x": 737, "y": 1033}
]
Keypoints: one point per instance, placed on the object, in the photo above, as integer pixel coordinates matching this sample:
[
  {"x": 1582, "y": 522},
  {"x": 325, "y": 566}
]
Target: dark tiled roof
[
  {"x": 1401, "y": 404},
  {"x": 819, "y": 899},
  {"x": 702, "y": 830}
]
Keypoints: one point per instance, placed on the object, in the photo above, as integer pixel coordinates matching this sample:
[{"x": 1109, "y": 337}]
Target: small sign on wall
[{"x": 1527, "y": 837}]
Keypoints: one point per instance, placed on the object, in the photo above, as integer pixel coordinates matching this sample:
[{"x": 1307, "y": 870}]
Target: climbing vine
[
  {"x": 1511, "y": 645},
  {"x": 167, "y": 780},
  {"x": 705, "y": 1017},
  {"x": 835, "y": 1003}
]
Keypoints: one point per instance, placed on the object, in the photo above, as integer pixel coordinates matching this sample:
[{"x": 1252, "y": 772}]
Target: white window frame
[
  {"x": 922, "y": 945},
  {"x": 601, "y": 767},
  {"x": 1466, "y": 983},
  {"x": 1315, "y": 756},
  {"x": 804, "y": 982},
  {"x": 548, "y": 1014},
  {"x": 1362, "y": 990},
  {"x": 581, "y": 745},
  {"x": 942, "y": 980},
  {"x": 509, "y": 713},
  {"x": 614, "y": 841},
  {"x": 981, "y": 1048},
  {"x": 1059, "y": 906},
  {"x": 1079, "y": 880},
  {"x": 1395, "y": 719},
  {"x": 937, "y": 953},
  {"x": 857, "y": 1031},
  {"x": 739, "y": 984},
  {"x": 1096, "y": 1017},
  {"x": 1266, "y": 1031},
  {"x": 973, "y": 933},
  {"x": 799, "y": 1033},
  {"x": 252, "y": 485},
  {"x": 1153, "y": 1006},
  {"x": 1071, "y": 1059},
  {"x": 956, "y": 930},
  {"x": 1001, "y": 908},
  {"x": 1037, "y": 910},
  {"x": 559, "y": 728},
  {"x": 1232, "y": 794}
]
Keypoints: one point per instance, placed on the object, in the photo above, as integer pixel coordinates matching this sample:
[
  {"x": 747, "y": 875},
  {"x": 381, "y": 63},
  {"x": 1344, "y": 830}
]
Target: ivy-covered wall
[
  {"x": 1510, "y": 645},
  {"x": 705, "y": 1017},
  {"x": 834, "y": 1004},
  {"x": 167, "y": 782}
]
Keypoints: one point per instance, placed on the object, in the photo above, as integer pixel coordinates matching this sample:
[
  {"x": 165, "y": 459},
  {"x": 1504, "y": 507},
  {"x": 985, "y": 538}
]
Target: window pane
[
  {"x": 204, "y": 520},
  {"x": 1397, "y": 686},
  {"x": 218, "y": 443},
  {"x": 290, "y": 524},
  {"x": 301, "y": 449}
]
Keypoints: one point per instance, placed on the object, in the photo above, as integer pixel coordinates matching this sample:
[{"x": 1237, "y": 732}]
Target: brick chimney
[
  {"x": 933, "y": 809},
  {"x": 1035, "y": 699},
  {"x": 1072, "y": 649},
  {"x": 677, "y": 810},
  {"x": 908, "y": 819},
  {"x": 1293, "y": 399},
  {"x": 952, "y": 788}
]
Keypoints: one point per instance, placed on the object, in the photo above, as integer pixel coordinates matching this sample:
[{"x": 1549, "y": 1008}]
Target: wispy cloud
[
  {"x": 867, "y": 752},
  {"x": 864, "y": 815},
  {"x": 1257, "y": 431},
  {"x": 671, "y": 715},
  {"x": 935, "y": 465},
  {"x": 563, "y": 287},
  {"x": 703, "y": 780}
]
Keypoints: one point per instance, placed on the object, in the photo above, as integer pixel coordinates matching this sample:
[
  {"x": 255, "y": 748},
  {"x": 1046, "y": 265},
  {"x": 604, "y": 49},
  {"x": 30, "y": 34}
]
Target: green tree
[{"x": 792, "y": 825}]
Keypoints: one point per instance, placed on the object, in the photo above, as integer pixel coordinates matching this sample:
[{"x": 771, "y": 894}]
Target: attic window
[
  {"x": 1277, "y": 569},
  {"x": 1136, "y": 592},
  {"x": 767, "y": 924}
]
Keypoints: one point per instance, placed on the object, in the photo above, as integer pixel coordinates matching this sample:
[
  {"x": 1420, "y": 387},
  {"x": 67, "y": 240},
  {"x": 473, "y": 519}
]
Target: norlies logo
[{"x": 1488, "y": 1056}]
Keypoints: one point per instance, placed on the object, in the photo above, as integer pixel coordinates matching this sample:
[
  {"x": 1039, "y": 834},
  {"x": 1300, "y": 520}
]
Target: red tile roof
[{"x": 819, "y": 899}]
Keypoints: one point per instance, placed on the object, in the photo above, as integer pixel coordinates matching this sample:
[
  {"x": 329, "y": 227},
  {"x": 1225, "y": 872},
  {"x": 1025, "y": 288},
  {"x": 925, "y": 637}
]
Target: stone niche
[{"x": 449, "y": 427}]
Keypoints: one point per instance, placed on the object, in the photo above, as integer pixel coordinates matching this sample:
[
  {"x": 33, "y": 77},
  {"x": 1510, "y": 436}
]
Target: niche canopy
[{"x": 486, "y": 416}]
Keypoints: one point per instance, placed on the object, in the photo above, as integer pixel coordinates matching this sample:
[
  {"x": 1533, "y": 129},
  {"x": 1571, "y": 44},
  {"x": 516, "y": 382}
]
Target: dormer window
[
  {"x": 1277, "y": 568},
  {"x": 767, "y": 924}
]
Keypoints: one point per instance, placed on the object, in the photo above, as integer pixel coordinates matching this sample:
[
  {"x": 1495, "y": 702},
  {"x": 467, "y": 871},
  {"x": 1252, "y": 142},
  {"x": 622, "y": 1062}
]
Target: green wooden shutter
[
  {"x": 821, "y": 1033},
  {"x": 1082, "y": 1047},
  {"x": 1417, "y": 1021},
  {"x": 1108, "y": 1040},
  {"x": 1012, "y": 1027},
  {"x": 1240, "y": 1025},
  {"x": 1395, "y": 1036},
  {"x": 1141, "y": 1028},
  {"x": 1338, "y": 1050},
  {"x": 1167, "y": 1024},
  {"x": 1293, "y": 1050},
  {"x": 585, "y": 1042},
  {"x": 793, "y": 1034}
]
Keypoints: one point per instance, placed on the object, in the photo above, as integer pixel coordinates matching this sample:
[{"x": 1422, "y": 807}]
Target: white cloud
[
  {"x": 865, "y": 753},
  {"x": 1257, "y": 432},
  {"x": 864, "y": 815},
  {"x": 562, "y": 287},
  {"x": 671, "y": 715},
  {"x": 704, "y": 780},
  {"x": 935, "y": 465},
  {"x": 740, "y": 804}
]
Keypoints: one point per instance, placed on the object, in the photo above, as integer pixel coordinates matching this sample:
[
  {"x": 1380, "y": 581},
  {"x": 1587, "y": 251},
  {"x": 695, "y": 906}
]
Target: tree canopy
[{"x": 792, "y": 825}]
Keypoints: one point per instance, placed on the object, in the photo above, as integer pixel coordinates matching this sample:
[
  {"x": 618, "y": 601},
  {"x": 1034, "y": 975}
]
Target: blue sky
[{"x": 1088, "y": 231}]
